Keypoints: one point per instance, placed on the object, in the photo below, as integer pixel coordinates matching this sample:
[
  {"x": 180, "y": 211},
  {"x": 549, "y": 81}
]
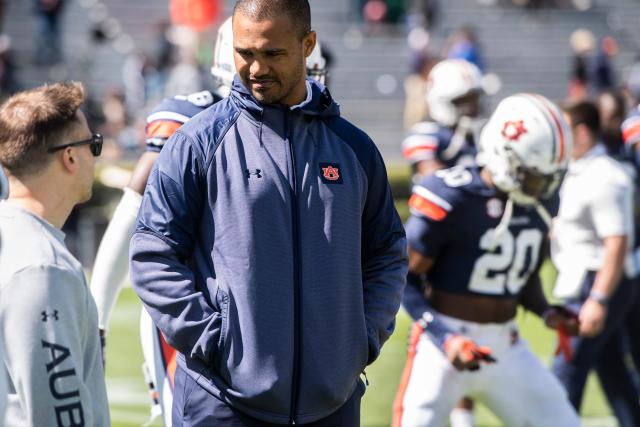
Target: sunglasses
[{"x": 94, "y": 143}]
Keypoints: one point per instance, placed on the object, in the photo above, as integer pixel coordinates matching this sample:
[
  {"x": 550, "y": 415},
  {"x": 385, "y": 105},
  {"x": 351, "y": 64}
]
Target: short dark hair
[
  {"x": 35, "y": 120},
  {"x": 584, "y": 113},
  {"x": 298, "y": 11}
]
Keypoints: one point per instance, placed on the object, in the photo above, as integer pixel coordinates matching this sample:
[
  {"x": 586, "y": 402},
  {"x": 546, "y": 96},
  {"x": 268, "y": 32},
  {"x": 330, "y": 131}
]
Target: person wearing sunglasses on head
[{"x": 48, "y": 318}]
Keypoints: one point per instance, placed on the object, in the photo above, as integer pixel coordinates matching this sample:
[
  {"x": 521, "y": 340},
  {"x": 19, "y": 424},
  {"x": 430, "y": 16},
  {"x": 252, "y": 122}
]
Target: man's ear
[
  {"x": 309, "y": 42},
  {"x": 69, "y": 160}
]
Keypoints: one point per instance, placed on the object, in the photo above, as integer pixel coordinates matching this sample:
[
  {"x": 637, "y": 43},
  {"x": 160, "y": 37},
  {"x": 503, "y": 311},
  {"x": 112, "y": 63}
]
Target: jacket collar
[{"x": 318, "y": 102}]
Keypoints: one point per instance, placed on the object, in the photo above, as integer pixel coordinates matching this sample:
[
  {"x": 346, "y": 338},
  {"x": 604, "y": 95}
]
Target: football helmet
[
  {"x": 224, "y": 67},
  {"x": 526, "y": 146},
  {"x": 452, "y": 84}
]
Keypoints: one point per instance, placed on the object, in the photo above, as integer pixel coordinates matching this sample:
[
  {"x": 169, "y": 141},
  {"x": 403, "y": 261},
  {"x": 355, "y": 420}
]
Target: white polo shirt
[{"x": 596, "y": 201}]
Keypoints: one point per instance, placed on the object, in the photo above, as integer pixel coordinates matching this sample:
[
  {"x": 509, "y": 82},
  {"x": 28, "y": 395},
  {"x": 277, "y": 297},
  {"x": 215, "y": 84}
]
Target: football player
[
  {"x": 111, "y": 264},
  {"x": 477, "y": 235},
  {"x": 453, "y": 100},
  {"x": 448, "y": 139}
]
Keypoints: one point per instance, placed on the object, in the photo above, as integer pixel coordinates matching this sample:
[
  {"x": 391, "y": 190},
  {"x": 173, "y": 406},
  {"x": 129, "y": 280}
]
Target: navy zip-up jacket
[{"x": 269, "y": 253}]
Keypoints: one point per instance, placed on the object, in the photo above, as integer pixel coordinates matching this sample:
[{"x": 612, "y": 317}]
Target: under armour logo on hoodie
[
  {"x": 46, "y": 316},
  {"x": 257, "y": 173}
]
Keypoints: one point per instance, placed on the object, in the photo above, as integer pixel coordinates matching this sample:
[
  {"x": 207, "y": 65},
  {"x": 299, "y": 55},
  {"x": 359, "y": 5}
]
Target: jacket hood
[{"x": 320, "y": 103}]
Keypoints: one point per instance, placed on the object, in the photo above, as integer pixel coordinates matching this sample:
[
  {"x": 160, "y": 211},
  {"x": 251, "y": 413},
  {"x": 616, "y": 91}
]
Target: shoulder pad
[
  {"x": 631, "y": 128},
  {"x": 425, "y": 140},
  {"x": 436, "y": 196},
  {"x": 172, "y": 113}
]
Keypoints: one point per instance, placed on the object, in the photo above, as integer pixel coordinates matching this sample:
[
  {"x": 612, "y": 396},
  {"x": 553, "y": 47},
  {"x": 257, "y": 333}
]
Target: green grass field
[{"x": 130, "y": 401}]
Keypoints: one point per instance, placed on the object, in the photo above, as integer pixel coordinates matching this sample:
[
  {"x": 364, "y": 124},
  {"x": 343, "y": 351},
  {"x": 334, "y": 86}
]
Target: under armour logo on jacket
[
  {"x": 46, "y": 316},
  {"x": 257, "y": 173}
]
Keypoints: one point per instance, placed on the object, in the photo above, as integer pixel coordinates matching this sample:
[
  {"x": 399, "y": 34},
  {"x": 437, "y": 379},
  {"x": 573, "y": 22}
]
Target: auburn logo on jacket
[{"x": 330, "y": 173}]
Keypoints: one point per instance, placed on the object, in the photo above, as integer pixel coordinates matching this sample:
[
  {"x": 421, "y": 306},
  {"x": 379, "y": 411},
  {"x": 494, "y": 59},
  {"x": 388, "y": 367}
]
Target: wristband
[{"x": 599, "y": 297}]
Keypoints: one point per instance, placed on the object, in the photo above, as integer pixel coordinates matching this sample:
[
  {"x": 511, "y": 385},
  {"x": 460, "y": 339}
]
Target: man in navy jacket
[{"x": 268, "y": 249}]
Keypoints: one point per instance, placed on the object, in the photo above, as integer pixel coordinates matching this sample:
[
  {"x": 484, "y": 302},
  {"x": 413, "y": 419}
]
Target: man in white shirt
[
  {"x": 592, "y": 237},
  {"x": 48, "y": 319}
]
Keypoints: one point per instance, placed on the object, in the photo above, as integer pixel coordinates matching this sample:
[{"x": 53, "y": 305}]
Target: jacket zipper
[{"x": 295, "y": 382}]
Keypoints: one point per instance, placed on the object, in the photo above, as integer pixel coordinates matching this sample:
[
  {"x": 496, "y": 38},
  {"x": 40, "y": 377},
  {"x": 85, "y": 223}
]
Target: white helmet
[
  {"x": 526, "y": 146},
  {"x": 449, "y": 80},
  {"x": 224, "y": 67},
  {"x": 317, "y": 64}
]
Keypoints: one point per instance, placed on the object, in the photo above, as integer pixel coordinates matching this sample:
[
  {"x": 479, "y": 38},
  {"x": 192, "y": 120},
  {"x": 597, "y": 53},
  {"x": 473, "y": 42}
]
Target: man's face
[
  {"x": 468, "y": 105},
  {"x": 270, "y": 58}
]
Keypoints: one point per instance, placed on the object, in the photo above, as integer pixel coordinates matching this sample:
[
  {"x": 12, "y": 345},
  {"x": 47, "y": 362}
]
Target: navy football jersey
[
  {"x": 430, "y": 141},
  {"x": 172, "y": 113},
  {"x": 453, "y": 218}
]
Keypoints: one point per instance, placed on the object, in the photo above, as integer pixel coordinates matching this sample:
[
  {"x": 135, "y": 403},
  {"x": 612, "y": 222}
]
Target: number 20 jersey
[{"x": 453, "y": 219}]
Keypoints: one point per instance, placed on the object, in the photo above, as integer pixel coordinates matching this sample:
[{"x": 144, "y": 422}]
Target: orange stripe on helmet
[
  {"x": 162, "y": 128},
  {"x": 558, "y": 124},
  {"x": 398, "y": 406},
  {"x": 427, "y": 208}
]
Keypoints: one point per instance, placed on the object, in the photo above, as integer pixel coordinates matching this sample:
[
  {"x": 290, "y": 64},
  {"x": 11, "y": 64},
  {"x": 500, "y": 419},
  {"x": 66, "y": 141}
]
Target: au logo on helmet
[
  {"x": 330, "y": 173},
  {"x": 513, "y": 130}
]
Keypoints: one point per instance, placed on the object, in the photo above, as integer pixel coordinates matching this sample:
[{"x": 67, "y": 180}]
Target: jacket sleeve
[
  {"x": 44, "y": 311},
  {"x": 161, "y": 248},
  {"x": 384, "y": 255}
]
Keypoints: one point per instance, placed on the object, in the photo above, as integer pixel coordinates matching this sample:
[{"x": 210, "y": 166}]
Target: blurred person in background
[
  {"x": 612, "y": 111},
  {"x": 415, "y": 89},
  {"x": 48, "y": 38},
  {"x": 47, "y": 315},
  {"x": 464, "y": 44},
  {"x": 477, "y": 237},
  {"x": 591, "y": 248},
  {"x": 111, "y": 264},
  {"x": 453, "y": 90},
  {"x": 603, "y": 73},
  {"x": 427, "y": 12},
  {"x": 447, "y": 138},
  {"x": 582, "y": 44}
]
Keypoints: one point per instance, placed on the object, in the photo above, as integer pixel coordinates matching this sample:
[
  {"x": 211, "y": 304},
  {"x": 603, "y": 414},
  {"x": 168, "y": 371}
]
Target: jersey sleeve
[
  {"x": 423, "y": 143},
  {"x": 431, "y": 206},
  {"x": 171, "y": 114}
]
